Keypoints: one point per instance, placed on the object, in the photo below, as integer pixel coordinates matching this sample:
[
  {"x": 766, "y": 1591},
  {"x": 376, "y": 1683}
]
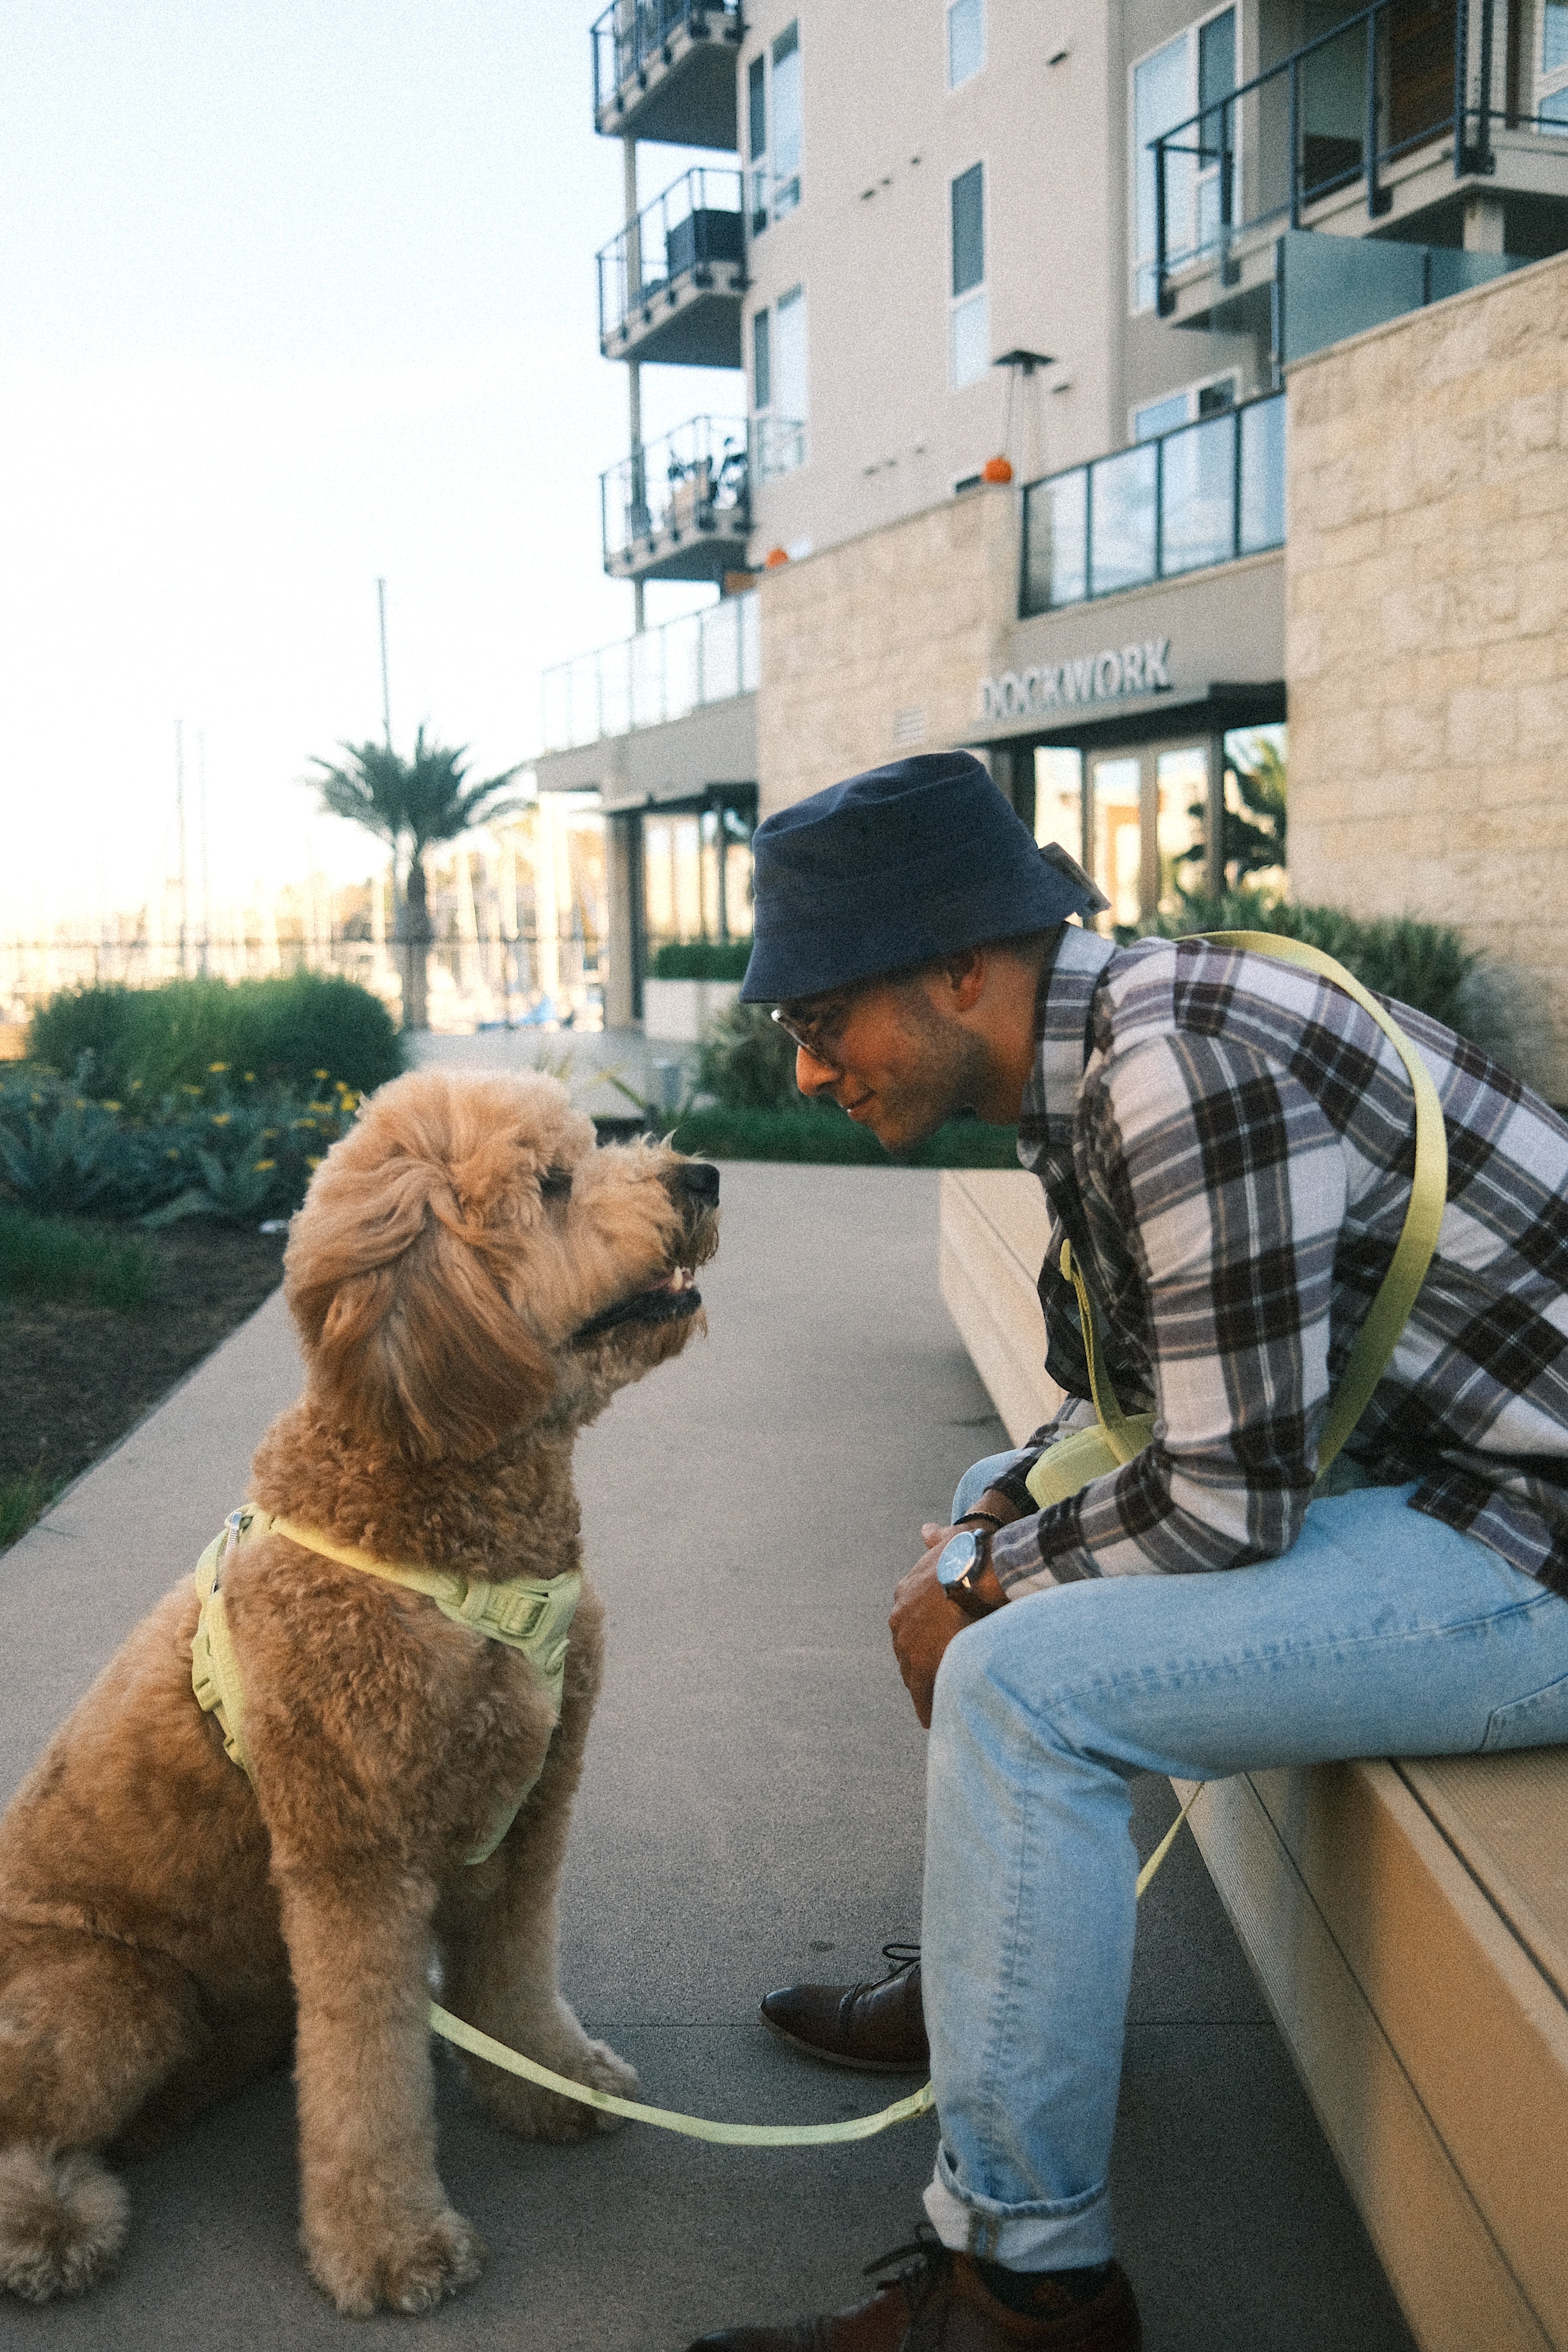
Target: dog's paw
[
  {"x": 62, "y": 2222},
  {"x": 408, "y": 2270},
  {"x": 537, "y": 2114},
  {"x": 606, "y": 2071}
]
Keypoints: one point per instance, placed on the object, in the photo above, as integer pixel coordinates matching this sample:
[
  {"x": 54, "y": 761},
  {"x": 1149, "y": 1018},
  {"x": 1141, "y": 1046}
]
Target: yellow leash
[{"x": 902, "y": 2111}]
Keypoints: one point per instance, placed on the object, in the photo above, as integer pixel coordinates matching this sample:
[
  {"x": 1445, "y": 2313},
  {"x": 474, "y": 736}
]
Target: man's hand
[{"x": 924, "y": 1620}]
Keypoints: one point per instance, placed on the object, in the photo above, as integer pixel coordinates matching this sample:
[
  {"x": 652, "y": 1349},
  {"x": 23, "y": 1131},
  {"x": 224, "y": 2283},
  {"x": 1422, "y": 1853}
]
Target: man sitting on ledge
[{"x": 1227, "y": 1142}]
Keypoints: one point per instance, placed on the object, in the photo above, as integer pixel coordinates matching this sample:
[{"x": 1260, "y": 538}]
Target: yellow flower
[
  {"x": 314, "y": 1163},
  {"x": 321, "y": 1109},
  {"x": 213, "y": 1067},
  {"x": 221, "y": 1117},
  {"x": 320, "y": 1074},
  {"x": 260, "y": 1167},
  {"x": 190, "y": 1090},
  {"x": 108, "y": 1106},
  {"x": 251, "y": 1077}
]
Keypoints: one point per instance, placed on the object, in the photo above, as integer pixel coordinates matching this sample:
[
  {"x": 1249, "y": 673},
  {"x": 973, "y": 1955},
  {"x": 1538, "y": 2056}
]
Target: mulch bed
[{"x": 73, "y": 1379}]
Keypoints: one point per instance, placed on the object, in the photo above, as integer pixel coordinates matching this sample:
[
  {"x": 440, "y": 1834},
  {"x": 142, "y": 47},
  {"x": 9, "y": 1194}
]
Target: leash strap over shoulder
[{"x": 1376, "y": 1340}]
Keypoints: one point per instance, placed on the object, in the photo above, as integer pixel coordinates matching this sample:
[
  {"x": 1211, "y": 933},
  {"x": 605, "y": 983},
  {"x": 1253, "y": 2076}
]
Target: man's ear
[{"x": 964, "y": 974}]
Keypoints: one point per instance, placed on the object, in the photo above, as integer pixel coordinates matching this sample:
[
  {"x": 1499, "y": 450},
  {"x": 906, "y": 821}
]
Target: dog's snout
[{"x": 700, "y": 1178}]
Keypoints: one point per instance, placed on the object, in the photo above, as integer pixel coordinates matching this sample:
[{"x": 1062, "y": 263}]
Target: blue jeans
[{"x": 1382, "y": 1632}]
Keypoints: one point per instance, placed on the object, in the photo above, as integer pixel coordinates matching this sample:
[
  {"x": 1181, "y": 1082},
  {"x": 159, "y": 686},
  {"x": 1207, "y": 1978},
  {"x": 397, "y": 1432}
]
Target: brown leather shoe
[
  {"x": 878, "y": 2028},
  {"x": 940, "y": 2303}
]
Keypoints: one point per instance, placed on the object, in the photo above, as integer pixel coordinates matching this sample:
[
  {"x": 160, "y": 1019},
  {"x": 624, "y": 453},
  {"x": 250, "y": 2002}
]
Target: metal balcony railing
[
  {"x": 1341, "y": 109},
  {"x": 1203, "y": 494},
  {"x": 692, "y": 237},
  {"x": 635, "y": 40},
  {"x": 689, "y": 486},
  {"x": 659, "y": 675}
]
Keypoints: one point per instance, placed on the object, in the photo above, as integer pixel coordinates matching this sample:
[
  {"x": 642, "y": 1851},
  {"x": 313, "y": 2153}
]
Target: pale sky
[{"x": 292, "y": 297}]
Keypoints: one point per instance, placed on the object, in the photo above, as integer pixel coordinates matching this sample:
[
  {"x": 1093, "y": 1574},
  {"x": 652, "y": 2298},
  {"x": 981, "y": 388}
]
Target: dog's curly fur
[{"x": 166, "y": 1928}]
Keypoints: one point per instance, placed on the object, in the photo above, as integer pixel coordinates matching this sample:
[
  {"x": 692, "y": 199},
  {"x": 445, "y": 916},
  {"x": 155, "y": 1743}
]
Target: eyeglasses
[{"x": 817, "y": 1033}]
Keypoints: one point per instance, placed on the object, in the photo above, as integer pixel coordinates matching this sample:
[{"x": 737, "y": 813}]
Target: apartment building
[{"x": 1010, "y": 289}]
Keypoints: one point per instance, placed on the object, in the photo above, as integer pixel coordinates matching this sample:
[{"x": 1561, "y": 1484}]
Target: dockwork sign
[{"x": 1105, "y": 676}]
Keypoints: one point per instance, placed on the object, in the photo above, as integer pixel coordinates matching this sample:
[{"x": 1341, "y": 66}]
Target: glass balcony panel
[
  {"x": 750, "y": 643},
  {"x": 1197, "y": 496},
  {"x": 648, "y": 655},
  {"x": 1056, "y": 542},
  {"x": 1261, "y": 424},
  {"x": 1121, "y": 520},
  {"x": 641, "y": 681},
  {"x": 720, "y": 650},
  {"x": 614, "y": 692},
  {"x": 683, "y": 666}
]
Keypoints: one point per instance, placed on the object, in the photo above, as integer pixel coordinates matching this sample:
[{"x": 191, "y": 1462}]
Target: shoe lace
[
  {"x": 926, "y": 2262},
  {"x": 899, "y": 1957}
]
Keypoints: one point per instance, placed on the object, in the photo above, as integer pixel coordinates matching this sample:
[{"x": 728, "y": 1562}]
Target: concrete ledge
[{"x": 1407, "y": 1922}]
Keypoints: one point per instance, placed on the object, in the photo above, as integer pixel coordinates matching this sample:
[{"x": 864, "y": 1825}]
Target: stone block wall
[
  {"x": 875, "y": 649},
  {"x": 1427, "y": 588}
]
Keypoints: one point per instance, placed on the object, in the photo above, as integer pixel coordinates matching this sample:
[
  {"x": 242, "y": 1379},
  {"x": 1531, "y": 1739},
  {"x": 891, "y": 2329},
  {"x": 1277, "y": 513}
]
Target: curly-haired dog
[{"x": 472, "y": 1282}]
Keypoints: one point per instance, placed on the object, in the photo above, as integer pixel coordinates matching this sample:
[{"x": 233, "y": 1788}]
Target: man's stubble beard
[{"x": 950, "y": 1069}]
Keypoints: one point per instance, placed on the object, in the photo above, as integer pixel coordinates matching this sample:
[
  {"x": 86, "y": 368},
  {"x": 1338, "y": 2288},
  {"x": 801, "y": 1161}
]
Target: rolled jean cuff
[{"x": 1022, "y": 2237}]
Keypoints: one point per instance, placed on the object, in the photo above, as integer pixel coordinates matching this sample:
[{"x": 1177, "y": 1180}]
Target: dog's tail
[{"x": 62, "y": 2221}]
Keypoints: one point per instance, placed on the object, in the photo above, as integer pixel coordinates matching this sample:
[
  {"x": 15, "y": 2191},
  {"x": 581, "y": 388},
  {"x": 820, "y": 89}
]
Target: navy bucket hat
[{"x": 893, "y": 867}]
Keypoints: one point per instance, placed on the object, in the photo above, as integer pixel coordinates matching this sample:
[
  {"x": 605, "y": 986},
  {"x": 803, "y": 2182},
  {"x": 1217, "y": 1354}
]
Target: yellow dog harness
[{"x": 530, "y": 1614}]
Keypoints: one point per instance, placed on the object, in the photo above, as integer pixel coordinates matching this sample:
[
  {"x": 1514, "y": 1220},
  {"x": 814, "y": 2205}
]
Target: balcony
[
  {"x": 1364, "y": 131},
  {"x": 670, "y": 284},
  {"x": 647, "y": 680},
  {"x": 678, "y": 508},
  {"x": 666, "y": 70},
  {"x": 1204, "y": 494}
]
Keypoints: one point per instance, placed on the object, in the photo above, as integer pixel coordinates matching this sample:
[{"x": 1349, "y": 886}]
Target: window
[
  {"x": 779, "y": 385},
  {"x": 1184, "y": 407},
  {"x": 965, "y": 40},
  {"x": 1197, "y": 69},
  {"x": 786, "y": 122},
  {"x": 774, "y": 100},
  {"x": 970, "y": 326},
  {"x": 762, "y": 362},
  {"x": 757, "y": 143},
  {"x": 1551, "y": 103}
]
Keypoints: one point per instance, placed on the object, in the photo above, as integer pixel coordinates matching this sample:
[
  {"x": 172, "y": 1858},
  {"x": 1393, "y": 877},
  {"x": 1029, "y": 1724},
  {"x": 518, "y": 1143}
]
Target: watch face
[{"x": 957, "y": 1558}]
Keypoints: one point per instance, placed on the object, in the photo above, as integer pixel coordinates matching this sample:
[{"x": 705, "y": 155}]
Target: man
[{"x": 1226, "y": 1141}]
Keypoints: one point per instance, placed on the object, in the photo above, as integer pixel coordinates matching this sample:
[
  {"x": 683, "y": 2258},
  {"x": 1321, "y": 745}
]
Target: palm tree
[{"x": 420, "y": 801}]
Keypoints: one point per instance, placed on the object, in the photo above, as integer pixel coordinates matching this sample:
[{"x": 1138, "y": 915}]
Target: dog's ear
[{"x": 411, "y": 1340}]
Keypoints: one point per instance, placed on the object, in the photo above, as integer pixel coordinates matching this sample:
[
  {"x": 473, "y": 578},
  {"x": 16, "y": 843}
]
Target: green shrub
[
  {"x": 49, "y": 1257},
  {"x": 1425, "y": 965},
  {"x": 747, "y": 1062},
  {"x": 829, "y": 1139},
  {"x": 701, "y": 960},
  {"x": 235, "y": 1150},
  {"x": 290, "y": 1031}
]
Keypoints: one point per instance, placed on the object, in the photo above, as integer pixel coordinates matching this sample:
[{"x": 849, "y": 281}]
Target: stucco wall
[
  {"x": 877, "y": 647},
  {"x": 1427, "y": 631}
]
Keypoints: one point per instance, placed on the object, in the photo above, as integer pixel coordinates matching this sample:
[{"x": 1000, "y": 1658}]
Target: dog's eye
[{"x": 555, "y": 1184}]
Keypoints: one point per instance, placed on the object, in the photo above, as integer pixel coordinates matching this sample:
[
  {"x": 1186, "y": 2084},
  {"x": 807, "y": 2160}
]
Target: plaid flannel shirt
[{"x": 1227, "y": 1142}]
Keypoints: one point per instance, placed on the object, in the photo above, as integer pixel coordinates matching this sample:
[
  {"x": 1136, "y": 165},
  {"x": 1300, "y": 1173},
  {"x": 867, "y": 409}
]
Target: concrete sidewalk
[{"x": 751, "y": 1813}]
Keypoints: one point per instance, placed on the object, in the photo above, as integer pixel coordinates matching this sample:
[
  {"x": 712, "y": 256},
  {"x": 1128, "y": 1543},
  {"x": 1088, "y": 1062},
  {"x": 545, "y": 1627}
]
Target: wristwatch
[{"x": 965, "y": 1559}]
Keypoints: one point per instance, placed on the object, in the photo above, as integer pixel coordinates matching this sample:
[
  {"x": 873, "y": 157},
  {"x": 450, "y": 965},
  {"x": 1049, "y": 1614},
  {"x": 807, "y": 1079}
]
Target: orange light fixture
[
  {"x": 773, "y": 558},
  {"x": 996, "y": 469}
]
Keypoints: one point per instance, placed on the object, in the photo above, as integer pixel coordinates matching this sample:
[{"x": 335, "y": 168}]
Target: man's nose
[
  {"x": 812, "y": 1076},
  {"x": 700, "y": 1178}
]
